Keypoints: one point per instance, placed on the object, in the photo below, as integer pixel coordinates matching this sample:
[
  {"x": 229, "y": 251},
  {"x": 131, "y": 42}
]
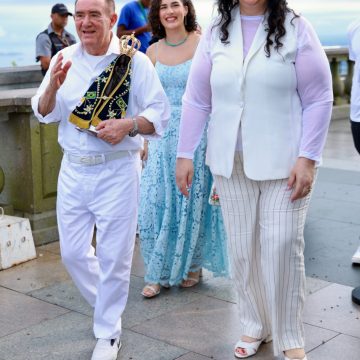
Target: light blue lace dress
[{"x": 178, "y": 235}]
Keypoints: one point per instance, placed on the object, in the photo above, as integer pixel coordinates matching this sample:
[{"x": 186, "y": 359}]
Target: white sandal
[
  {"x": 153, "y": 291},
  {"x": 192, "y": 280},
  {"x": 286, "y": 358},
  {"x": 251, "y": 348}
]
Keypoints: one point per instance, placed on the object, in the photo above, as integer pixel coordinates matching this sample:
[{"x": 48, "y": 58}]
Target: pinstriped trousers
[{"x": 265, "y": 231}]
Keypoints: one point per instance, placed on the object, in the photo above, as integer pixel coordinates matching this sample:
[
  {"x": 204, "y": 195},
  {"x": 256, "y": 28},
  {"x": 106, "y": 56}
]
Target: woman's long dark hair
[
  {"x": 155, "y": 23},
  {"x": 158, "y": 30},
  {"x": 277, "y": 10}
]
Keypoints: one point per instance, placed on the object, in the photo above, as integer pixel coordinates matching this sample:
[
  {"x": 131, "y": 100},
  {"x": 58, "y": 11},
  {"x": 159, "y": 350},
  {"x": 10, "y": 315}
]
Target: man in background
[
  {"x": 354, "y": 55},
  {"x": 54, "y": 38},
  {"x": 134, "y": 19}
]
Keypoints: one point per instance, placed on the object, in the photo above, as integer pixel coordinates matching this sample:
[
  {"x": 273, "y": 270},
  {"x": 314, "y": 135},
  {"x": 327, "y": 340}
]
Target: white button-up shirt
[
  {"x": 354, "y": 55},
  {"x": 147, "y": 98}
]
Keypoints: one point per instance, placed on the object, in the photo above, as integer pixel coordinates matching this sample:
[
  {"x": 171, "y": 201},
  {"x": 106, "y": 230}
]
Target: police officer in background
[{"x": 54, "y": 38}]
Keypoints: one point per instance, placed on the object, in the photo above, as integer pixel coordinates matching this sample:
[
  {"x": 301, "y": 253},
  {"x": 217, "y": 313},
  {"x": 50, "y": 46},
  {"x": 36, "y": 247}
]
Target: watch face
[
  {"x": 133, "y": 133},
  {"x": 135, "y": 130}
]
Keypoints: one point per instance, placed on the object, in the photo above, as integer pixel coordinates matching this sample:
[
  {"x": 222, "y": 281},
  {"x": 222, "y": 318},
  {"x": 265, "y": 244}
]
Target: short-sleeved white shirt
[{"x": 354, "y": 55}]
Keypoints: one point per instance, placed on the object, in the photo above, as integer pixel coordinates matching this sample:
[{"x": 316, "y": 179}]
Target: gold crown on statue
[{"x": 129, "y": 45}]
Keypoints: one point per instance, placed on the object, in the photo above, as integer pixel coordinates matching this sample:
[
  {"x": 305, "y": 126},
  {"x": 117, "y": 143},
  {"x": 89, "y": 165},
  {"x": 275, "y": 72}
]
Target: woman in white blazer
[{"x": 261, "y": 74}]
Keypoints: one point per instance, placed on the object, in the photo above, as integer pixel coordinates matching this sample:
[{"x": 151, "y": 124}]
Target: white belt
[{"x": 91, "y": 160}]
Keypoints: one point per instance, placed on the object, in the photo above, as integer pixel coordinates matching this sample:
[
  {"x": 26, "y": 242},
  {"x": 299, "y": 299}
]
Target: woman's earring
[{"x": 185, "y": 20}]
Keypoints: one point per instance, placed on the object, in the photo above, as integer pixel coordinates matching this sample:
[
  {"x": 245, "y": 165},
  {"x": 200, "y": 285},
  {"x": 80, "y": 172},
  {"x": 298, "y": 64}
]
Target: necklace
[{"x": 178, "y": 43}]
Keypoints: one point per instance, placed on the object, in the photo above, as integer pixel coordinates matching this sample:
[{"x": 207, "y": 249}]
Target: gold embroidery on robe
[{"x": 108, "y": 96}]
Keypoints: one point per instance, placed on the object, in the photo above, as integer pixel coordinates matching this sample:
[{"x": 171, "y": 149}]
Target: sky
[{"x": 20, "y": 23}]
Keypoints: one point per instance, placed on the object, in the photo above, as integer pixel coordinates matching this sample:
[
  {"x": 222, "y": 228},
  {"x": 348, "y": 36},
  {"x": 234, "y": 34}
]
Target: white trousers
[
  {"x": 106, "y": 195},
  {"x": 265, "y": 231}
]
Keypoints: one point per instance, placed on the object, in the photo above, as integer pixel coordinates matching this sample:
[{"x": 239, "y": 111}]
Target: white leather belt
[{"x": 91, "y": 160}]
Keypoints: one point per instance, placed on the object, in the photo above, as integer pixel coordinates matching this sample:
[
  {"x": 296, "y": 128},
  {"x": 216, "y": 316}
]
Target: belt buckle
[
  {"x": 85, "y": 160},
  {"x": 99, "y": 159}
]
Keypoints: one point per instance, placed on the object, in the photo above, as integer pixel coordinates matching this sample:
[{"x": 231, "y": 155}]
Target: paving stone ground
[{"x": 43, "y": 316}]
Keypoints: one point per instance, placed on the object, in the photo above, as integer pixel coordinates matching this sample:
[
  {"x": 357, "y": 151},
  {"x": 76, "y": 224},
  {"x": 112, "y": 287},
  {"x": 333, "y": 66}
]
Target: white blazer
[{"x": 260, "y": 93}]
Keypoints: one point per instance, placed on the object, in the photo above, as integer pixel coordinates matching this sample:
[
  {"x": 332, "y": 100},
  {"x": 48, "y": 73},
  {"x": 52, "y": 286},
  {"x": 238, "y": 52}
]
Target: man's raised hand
[{"x": 59, "y": 72}]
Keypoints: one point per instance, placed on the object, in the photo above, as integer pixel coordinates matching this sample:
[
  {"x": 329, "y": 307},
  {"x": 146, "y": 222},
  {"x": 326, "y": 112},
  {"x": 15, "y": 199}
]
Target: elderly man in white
[{"x": 99, "y": 177}]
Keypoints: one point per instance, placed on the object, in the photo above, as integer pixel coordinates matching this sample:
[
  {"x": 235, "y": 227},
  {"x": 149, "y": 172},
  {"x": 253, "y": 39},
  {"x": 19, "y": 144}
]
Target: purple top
[{"x": 314, "y": 85}]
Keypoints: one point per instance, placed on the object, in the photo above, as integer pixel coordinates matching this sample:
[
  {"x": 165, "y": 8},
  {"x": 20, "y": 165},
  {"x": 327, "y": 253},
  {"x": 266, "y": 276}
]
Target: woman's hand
[
  {"x": 301, "y": 178},
  {"x": 184, "y": 175},
  {"x": 144, "y": 152}
]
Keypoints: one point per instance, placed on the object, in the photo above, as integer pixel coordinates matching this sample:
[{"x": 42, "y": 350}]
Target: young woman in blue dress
[{"x": 178, "y": 236}]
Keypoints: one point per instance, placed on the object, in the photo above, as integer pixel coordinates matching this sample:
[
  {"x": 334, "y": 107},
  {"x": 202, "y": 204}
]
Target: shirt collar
[
  {"x": 114, "y": 46},
  {"x": 50, "y": 29}
]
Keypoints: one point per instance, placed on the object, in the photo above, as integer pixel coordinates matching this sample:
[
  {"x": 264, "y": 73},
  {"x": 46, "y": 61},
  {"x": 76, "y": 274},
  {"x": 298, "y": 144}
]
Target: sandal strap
[
  {"x": 192, "y": 279},
  {"x": 152, "y": 289},
  {"x": 250, "y": 347},
  {"x": 192, "y": 282}
]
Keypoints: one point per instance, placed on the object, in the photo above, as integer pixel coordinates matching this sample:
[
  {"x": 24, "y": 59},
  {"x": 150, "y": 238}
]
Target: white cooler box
[{"x": 16, "y": 241}]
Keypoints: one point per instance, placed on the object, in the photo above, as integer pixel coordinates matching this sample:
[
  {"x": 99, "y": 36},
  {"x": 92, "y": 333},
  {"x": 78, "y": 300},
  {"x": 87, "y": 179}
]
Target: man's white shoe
[
  {"x": 106, "y": 349},
  {"x": 356, "y": 257}
]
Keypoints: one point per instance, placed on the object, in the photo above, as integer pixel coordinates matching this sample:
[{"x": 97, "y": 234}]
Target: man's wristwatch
[{"x": 135, "y": 129}]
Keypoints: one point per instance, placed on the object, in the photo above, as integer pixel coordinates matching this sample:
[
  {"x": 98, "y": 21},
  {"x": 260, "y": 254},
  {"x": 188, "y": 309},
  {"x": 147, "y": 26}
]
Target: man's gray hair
[{"x": 110, "y": 3}]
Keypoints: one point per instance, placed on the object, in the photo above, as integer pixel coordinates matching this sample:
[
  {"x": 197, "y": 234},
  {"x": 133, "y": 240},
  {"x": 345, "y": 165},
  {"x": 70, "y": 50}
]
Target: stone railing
[
  {"x": 342, "y": 71},
  {"x": 29, "y": 160},
  {"x": 20, "y": 77}
]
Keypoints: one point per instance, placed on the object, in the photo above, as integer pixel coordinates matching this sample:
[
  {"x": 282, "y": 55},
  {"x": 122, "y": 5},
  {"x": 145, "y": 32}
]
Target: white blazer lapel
[
  {"x": 235, "y": 47},
  {"x": 258, "y": 42}
]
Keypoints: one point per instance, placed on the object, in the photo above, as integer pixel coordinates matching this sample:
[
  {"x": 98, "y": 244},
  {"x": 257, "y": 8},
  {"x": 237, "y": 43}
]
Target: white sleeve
[
  {"x": 314, "y": 85},
  {"x": 196, "y": 102},
  {"x": 352, "y": 29}
]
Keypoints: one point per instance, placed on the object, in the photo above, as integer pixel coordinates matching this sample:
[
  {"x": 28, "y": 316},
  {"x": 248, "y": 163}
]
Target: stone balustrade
[
  {"x": 20, "y": 77},
  {"x": 29, "y": 158}
]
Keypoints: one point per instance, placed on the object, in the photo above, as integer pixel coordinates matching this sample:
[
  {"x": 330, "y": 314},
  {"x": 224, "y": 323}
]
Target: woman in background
[{"x": 178, "y": 236}]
